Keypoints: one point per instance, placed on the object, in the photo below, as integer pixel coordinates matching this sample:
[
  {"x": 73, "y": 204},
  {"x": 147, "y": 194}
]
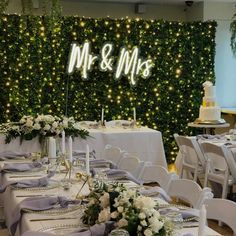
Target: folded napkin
[
  {"x": 121, "y": 174},
  {"x": 186, "y": 213},
  {"x": 102, "y": 162},
  {"x": 82, "y": 154},
  {"x": 156, "y": 190},
  {"x": 211, "y": 137},
  {"x": 37, "y": 204},
  {"x": 95, "y": 230},
  {"x": 13, "y": 155},
  {"x": 20, "y": 166}
]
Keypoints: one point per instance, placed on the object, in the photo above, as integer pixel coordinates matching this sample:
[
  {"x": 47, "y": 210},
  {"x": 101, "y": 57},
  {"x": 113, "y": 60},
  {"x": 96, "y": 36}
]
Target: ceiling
[{"x": 167, "y": 2}]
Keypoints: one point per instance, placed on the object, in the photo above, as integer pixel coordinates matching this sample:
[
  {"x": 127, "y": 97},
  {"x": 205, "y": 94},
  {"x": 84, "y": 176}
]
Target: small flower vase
[{"x": 44, "y": 147}]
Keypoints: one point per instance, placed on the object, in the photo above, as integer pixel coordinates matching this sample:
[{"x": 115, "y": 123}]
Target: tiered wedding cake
[{"x": 209, "y": 111}]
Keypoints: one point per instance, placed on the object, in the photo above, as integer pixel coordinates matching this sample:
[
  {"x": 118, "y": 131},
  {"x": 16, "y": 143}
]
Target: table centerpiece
[
  {"x": 135, "y": 213},
  {"x": 42, "y": 126}
]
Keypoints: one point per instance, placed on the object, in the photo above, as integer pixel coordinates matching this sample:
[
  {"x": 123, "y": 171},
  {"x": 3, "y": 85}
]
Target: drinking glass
[{"x": 176, "y": 218}]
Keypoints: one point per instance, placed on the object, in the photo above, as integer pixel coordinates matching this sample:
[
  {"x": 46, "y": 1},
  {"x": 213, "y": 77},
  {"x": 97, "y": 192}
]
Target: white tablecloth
[
  {"x": 13, "y": 197},
  {"x": 144, "y": 142}
]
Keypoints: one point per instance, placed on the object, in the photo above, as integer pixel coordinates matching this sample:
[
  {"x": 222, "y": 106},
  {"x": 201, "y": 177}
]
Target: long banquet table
[
  {"x": 146, "y": 143},
  {"x": 39, "y": 222}
]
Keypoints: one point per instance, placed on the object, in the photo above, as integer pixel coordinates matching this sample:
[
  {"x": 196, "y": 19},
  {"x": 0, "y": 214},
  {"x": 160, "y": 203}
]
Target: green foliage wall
[{"x": 34, "y": 58}]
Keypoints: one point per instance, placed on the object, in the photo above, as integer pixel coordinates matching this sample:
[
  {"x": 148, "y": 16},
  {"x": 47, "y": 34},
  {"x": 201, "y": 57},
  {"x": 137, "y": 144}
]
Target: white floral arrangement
[
  {"x": 135, "y": 213},
  {"x": 42, "y": 126}
]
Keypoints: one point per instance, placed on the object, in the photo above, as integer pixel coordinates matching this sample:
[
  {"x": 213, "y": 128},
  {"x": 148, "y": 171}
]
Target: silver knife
[{"x": 56, "y": 218}]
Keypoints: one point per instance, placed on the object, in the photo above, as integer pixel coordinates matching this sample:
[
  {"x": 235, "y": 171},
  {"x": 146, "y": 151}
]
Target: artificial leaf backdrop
[{"x": 33, "y": 79}]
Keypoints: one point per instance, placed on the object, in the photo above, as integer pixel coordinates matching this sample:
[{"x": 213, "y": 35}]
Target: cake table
[{"x": 208, "y": 128}]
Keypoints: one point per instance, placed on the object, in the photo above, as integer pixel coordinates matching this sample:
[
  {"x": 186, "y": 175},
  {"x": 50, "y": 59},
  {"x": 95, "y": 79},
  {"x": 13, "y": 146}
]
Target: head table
[
  {"x": 32, "y": 221},
  {"x": 144, "y": 142}
]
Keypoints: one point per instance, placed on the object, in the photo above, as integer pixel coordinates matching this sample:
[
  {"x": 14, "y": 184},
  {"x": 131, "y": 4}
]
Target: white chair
[
  {"x": 112, "y": 153},
  {"x": 217, "y": 169},
  {"x": 156, "y": 173},
  {"x": 223, "y": 210},
  {"x": 131, "y": 163},
  {"x": 189, "y": 191},
  {"x": 193, "y": 159}
]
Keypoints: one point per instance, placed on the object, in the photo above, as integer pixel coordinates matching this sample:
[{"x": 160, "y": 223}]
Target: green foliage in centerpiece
[
  {"x": 130, "y": 211},
  {"x": 34, "y": 79},
  {"x": 42, "y": 126}
]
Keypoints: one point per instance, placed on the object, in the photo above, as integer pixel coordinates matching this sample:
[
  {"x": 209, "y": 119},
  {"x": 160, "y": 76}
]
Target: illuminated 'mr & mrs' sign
[{"x": 128, "y": 63}]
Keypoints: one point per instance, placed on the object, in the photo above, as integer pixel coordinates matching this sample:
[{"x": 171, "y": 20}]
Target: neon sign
[{"x": 128, "y": 64}]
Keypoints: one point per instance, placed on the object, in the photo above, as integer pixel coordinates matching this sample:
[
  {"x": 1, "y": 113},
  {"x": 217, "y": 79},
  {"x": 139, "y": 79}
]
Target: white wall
[
  {"x": 225, "y": 62},
  {"x": 114, "y": 10}
]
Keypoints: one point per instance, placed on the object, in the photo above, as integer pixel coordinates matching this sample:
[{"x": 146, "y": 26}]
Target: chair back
[
  {"x": 230, "y": 161},
  {"x": 215, "y": 157},
  {"x": 189, "y": 191},
  {"x": 112, "y": 153},
  {"x": 190, "y": 150},
  {"x": 131, "y": 163},
  {"x": 156, "y": 173},
  {"x": 223, "y": 210}
]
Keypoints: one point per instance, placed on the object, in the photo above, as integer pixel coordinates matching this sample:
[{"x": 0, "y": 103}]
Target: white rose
[
  {"x": 37, "y": 126},
  {"x": 114, "y": 214},
  {"x": 39, "y": 118},
  {"x": 139, "y": 228},
  {"x": 48, "y": 118},
  {"x": 15, "y": 127},
  {"x": 105, "y": 200},
  {"x": 155, "y": 224},
  {"x": 54, "y": 124},
  {"x": 143, "y": 223},
  {"x": 29, "y": 123},
  {"x": 104, "y": 215},
  {"x": 120, "y": 209},
  {"x": 22, "y": 120},
  {"x": 122, "y": 222},
  {"x": 65, "y": 123},
  {"x": 47, "y": 127},
  {"x": 148, "y": 232},
  {"x": 144, "y": 202},
  {"x": 156, "y": 214},
  {"x": 142, "y": 216}
]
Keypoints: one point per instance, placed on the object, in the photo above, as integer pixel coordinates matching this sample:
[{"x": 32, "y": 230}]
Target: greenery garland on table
[
  {"x": 34, "y": 79},
  {"x": 42, "y": 126}
]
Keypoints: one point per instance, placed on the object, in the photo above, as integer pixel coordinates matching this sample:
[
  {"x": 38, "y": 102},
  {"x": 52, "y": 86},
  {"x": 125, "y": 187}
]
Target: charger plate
[
  {"x": 58, "y": 210},
  {"x": 52, "y": 184},
  {"x": 62, "y": 229}
]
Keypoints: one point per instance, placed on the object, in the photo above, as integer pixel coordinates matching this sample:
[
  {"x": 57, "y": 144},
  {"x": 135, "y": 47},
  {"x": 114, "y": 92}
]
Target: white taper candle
[
  {"x": 52, "y": 153},
  {"x": 102, "y": 118},
  {"x": 63, "y": 141},
  {"x": 70, "y": 149},
  {"x": 134, "y": 114},
  {"x": 202, "y": 221},
  {"x": 87, "y": 160}
]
